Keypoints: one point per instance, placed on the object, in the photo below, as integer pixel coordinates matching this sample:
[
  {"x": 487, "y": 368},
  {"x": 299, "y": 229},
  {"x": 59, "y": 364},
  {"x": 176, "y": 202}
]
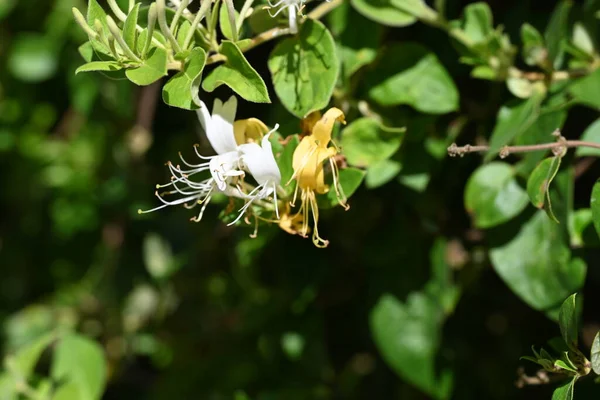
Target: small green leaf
[
  {"x": 407, "y": 336},
  {"x": 24, "y": 361},
  {"x": 538, "y": 184},
  {"x": 95, "y": 12},
  {"x": 285, "y": 161},
  {"x": 99, "y": 66},
  {"x": 565, "y": 391},
  {"x": 563, "y": 365},
  {"x": 365, "y": 142},
  {"x": 80, "y": 361},
  {"x": 384, "y": 12},
  {"x": 182, "y": 89},
  {"x": 382, "y": 172},
  {"x": 493, "y": 196},
  {"x": 595, "y": 354},
  {"x": 151, "y": 70},
  {"x": 536, "y": 264},
  {"x": 238, "y": 74},
  {"x": 534, "y": 48},
  {"x": 86, "y": 51},
  {"x": 568, "y": 319},
  {"x": 410, "y": 74},
  {"x": 557, "y": 32},
  {"x": 585, "y": 90},
  {"x": 224, "y": 21},
  {"x": 514, "y": 118},
  {"x": 305, "y": 69},
  {"x": 478, "y": 22},
  {"x": 350, "y": 180},
  {"x": 591, "y": 134},
  {"x": 595, "y": 206},
  {"x": 130, "y": 26}
]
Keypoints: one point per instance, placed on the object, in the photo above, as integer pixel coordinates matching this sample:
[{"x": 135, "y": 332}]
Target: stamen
[
  {"x": 337, "y": 186},
  {"x": 317, "y": 240}
]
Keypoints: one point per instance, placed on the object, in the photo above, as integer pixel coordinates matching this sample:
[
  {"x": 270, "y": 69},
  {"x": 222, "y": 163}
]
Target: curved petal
[
  {"x": 322, "y": 129},
  {"x": 220, "y": 130},
  {"x": 248, "y": 130},
  {"x": 260, "y": 162},
  {"x": 204, "y": 116}
]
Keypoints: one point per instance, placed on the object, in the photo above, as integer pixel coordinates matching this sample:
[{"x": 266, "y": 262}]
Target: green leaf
[
  {"x": 24, "y": 361},
  {"x": 534, "y": 47},
  {"x": 384, "y": 12},
  {"x": 591, "y": 134},
  {"x": 8, "y": 387},
  {"x": 595, "y": 354},
  {"x": 365, "y": 142},
  {"x": 407, "y": 336},
  {"x": 86, "y": 51},
  {"x": 410, "y": 74},
  {"x": 238, "y": 74},
  {"x": 81, "y": 362},
  {"x": 538, "y": 184},
  {"x": 356, "y": 49},
  {"x": 350, "y": 180},
  {"x": 224, "y": 21},
  {"x": 595, "y": 206},
  {"x": 514, "y": 118},
  {"x": 493, "y": 196},
  {"x": 565, "y": 391},
  {"x": 478, "y": 22},
  {"x": 557, "y": 32},
  {"x": 129, "y": 28},
  {"x": 285, "y": 162},
  {"x": 32, "y": 57},
  {"x": 537, "y": 266},
  {"x": 305, "y": 69},
  {"x": 568, "y": 321},
  {"x": 563, "y": 365},
  {"x": 99, "y": 66},
  {"x": 585, "y": 90},
  {"x": 151, "y": 70},
  {"x": 182, "y": 89},
  {"x": 382, "y": 172}
]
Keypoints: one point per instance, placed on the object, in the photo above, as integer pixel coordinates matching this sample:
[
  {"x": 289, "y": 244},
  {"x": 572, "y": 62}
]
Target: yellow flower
[
  {"x": 309, "y": 157},
  {"x": 249, "y": 130}
]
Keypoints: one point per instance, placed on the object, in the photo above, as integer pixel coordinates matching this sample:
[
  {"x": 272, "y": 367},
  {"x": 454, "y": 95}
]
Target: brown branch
[{"x": 558, "y": 147}]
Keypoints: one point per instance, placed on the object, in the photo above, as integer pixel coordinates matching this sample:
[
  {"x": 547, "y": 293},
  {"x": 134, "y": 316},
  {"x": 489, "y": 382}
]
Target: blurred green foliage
[{"x": 439, "y": 277}]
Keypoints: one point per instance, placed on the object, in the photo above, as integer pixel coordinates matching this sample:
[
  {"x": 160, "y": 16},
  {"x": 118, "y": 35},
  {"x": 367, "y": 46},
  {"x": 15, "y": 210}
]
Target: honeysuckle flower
[
  {"x": 308, "y": 162},
  {"x": 237, "y": 153},
  {"x": 293, "y": 7}
]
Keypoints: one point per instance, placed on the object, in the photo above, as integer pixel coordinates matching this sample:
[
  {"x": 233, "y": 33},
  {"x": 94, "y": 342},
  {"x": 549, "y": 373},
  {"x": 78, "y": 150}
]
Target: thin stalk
[
  {"x": 243, "y": 13},
  {"x": 505, "y": 151},
  {"x": 161, "y": 9},
  {"x": 204, "y": 9},
  {"x": 116, "y": 33},
  {"x": 151, "y": 25},
  {"x": 80, "y": 19},
  {"x": 182, "y": 6},
  {"x": 212, "y": 28},
  {"x": 117, "y": 10}
]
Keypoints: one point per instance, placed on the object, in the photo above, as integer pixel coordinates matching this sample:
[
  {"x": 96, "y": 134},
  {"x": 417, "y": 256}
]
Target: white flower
[
  {"x": 227, "y": 167},
  {"x": 294, "y": 7}
]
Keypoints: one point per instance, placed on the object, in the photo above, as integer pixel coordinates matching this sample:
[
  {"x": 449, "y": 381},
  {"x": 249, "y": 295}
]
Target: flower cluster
[
  {"x": 243, "y": 150},
  {"x": 238, "y": 153}
]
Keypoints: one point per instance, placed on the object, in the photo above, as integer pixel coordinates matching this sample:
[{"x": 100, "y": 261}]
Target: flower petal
[
  {"x": 260, "y": 162},
  {"x": 220, "y": 130}
]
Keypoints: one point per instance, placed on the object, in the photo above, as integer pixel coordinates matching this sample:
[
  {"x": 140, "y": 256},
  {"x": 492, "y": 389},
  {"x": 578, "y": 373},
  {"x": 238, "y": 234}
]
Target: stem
[
  {"x": 231, "y": 14},
  {"x": 212, "y": 26},
  {"x": 117, "y": 10},
  {"x": 116, "y": 33},
  {"x": 243, "y": 13},
  {"x": 151, "y": 25},
  {"x": 164, "y": 27},
  {"x": 324, "y": 8},
  {"x": 178, "y": 13},
  {"x": 80, "y": 19},
  {"x": 204, "y": 8},
  {"x": 255, "y": 41},
  {"x": 505, "y": 151}
]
